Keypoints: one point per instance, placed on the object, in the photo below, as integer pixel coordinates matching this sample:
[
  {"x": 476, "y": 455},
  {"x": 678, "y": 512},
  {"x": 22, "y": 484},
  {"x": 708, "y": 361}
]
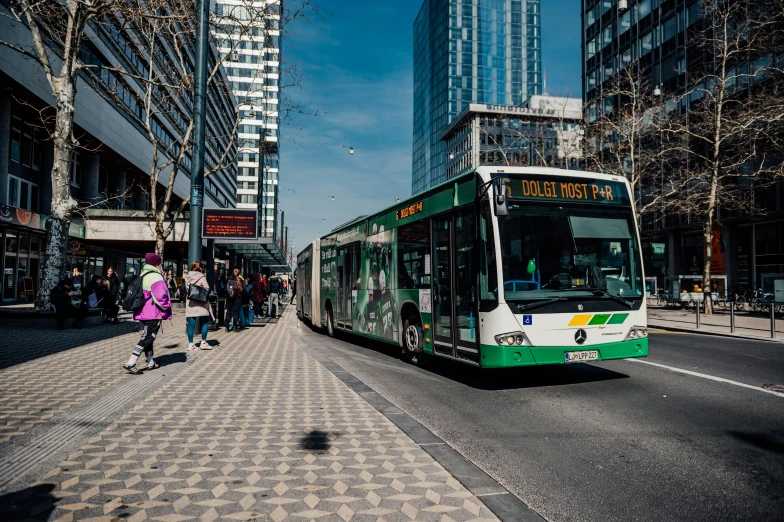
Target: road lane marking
[{"x": 706, "y": 376}]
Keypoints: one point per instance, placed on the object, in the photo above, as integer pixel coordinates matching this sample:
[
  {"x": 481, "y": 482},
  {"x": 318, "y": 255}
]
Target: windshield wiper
[
  {"x": 537, "y": 304},
  {"x": 601, "y": 292}
]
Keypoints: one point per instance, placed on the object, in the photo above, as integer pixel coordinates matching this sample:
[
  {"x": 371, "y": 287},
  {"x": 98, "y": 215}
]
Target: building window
[
  {"x": 26, "y": 150},
  {"x": 76, "y": 172},
  {"x": 16, "y": 140},
  {"x": 646, "y": 44},
  {"x": 22, "y": 194},
  {"x": 625, "y": 21},
  {"x": 645, "y": 8}
]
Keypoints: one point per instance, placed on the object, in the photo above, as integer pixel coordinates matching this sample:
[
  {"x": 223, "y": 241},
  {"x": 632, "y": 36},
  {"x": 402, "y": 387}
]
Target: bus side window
[{"x": 413, "y": 249}]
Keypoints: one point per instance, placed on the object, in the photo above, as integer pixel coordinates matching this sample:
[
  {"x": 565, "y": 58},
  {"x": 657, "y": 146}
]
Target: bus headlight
[
  {"x": 637, "y": 332},
  {"x": 512, "y": 339}
]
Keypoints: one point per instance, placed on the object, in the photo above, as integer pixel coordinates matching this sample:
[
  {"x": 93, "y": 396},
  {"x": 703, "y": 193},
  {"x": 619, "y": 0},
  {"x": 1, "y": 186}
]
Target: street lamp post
[{"x": 199, "y": 110}]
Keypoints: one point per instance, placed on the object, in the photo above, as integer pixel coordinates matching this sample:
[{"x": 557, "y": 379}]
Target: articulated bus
[{"x": 499, "y": 267}]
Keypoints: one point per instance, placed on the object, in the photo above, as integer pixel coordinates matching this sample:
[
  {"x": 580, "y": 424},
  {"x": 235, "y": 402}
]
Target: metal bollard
[
  {"x": 772, "y": 321},
  {"x": 732, "y": 317},
  {"x": 698, "y": 315}
]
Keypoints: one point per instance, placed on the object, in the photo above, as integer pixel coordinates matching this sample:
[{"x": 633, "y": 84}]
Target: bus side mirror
[{"x": 499, "y": 201}]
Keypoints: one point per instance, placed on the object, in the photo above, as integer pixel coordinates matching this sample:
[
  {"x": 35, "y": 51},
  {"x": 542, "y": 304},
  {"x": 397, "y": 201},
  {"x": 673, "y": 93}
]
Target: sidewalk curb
[
  {"x": 503, "y": 504},
  {"x": 728, "y": 335}
]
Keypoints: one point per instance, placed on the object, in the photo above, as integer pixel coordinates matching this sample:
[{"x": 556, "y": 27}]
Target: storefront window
[
  {"x": 24, "y": 242},
  {"x": 34, "y": 245},
  {"x": 11, "y": 242}
]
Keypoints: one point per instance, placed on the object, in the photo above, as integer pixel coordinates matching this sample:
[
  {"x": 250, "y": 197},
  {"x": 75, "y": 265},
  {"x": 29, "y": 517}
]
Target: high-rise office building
[
  {"x": 248, "y": 38},
  {"x": 468, "y": 51}
]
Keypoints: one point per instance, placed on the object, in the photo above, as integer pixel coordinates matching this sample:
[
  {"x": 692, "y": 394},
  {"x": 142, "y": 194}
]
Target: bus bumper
[{"x": 494, "y": 356}]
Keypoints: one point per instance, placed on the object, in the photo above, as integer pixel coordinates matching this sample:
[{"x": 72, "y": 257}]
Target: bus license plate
[{"x": 590, "y": 355}]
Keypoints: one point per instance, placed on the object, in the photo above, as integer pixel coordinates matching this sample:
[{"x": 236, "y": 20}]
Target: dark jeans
[{"x": 233, "y": 309}]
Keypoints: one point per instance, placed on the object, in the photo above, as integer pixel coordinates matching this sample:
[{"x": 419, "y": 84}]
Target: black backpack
[
  {"x": 231, "y": 288},
  {"x": 134, "y": 299}
]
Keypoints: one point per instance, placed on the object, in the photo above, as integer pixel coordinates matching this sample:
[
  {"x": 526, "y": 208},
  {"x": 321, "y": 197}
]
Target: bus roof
[{"x": 484, "y": 173}]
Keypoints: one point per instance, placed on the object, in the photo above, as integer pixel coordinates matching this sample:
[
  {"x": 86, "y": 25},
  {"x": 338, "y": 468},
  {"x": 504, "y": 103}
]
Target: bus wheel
[
  {"x": 330, "y": 325},
  {"x": 412, "y": 339}
]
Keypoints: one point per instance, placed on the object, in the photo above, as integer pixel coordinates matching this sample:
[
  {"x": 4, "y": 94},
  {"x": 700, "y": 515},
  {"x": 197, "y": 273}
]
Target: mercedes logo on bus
[{"x": 580, "y": 336}]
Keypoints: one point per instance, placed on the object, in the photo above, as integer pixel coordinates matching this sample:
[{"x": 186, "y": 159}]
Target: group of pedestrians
[
  {"x": 72, "y": 298},
  {"x": 149, "y": 297}
]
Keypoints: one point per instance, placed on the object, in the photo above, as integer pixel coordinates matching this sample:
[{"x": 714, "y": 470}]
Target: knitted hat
[{"x": 152, "y": 259}]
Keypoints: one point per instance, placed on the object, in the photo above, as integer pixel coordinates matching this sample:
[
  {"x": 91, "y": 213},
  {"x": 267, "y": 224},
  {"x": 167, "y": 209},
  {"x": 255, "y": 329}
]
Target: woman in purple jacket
[{"x": 157, "y": 307}]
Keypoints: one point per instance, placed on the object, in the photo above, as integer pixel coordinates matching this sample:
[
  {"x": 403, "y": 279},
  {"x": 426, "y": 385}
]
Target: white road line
[{"x": 706, "y": 376}]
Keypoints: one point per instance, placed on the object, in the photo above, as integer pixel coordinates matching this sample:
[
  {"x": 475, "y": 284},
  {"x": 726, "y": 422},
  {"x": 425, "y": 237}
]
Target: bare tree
[
  {"x": 57, "y": 31},
  {"x": 726, "y": 135},
  {"x": 624, "y": 135},
  {"x": 167, "y": 42}
]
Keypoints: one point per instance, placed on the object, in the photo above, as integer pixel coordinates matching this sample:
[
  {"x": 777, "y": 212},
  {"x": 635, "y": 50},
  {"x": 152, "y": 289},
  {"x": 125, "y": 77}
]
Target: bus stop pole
[
  {"x": 772, "y": 321},
  {"x": 732, "y": 317},
  {"x": 698, "y": 314}
]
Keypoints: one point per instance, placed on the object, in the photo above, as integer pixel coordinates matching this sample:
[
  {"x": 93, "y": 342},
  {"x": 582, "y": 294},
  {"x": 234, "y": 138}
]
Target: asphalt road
[{"x": 619, "y": 440}]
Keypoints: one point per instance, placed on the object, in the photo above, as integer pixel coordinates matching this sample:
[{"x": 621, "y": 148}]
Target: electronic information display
[{"x": 220, "y": 223}]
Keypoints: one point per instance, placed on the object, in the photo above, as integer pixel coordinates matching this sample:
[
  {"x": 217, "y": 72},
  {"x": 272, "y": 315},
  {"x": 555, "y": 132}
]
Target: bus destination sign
[
  {"x": 220, "y": 223},
  {"x": 408, "y": 211},
  {"x": 570, "y": 189}
]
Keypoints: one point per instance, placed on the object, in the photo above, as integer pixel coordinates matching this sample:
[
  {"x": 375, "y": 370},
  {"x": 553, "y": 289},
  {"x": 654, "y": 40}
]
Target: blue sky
[{"x": 356, "y": 70}]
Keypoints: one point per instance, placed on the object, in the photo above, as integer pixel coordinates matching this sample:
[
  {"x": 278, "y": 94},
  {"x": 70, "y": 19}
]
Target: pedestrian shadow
[
  {"x": 492, "y": 379},
  {"x": 30, "y": 344},
  {"x": 768, "y": 442},
  {"x": 170, "y": 358},
  {"x": 317, "y": 441},
  {"x": 33, "y": 503}
]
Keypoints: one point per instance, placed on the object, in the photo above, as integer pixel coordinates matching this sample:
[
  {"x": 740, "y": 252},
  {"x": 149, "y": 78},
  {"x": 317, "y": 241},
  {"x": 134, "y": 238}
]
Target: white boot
[
  {"x": 191, "y": 346},
  {"x": 204, "y": 345}
]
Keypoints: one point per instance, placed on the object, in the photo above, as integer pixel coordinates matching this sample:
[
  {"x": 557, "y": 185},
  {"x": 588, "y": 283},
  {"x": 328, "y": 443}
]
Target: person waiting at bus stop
[{"x": 62, "y": 300}]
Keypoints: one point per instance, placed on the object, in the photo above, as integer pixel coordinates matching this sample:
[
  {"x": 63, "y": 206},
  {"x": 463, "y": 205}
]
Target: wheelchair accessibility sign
[{"x": 528, "y": 320}]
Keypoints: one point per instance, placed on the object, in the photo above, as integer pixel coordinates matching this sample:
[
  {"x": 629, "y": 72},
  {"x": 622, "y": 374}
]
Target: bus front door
[{"x": 454, "y": 301}]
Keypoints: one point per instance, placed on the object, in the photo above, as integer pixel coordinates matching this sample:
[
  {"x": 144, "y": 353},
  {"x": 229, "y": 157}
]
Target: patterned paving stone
[
  {"x": 255, "y": 429},
  {"x": 45, "y": 372}
]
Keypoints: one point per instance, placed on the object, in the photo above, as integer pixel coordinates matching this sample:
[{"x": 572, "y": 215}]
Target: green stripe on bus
[
  {"x": 599, "y": 319},
  {"x": 617, "y": 318}
]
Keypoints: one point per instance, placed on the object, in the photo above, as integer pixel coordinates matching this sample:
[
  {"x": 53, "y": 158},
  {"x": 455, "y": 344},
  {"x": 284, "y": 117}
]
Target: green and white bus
[{"x": 499, "y": 267}]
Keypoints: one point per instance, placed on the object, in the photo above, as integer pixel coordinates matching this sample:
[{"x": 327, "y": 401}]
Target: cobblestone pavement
[
  {"x": 43, "y": 373},
  {"x": 255, "y": 429}
]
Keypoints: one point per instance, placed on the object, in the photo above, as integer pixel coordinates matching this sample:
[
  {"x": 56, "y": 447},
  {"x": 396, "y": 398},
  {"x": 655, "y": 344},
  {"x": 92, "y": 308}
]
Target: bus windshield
[{"x": 566, "y": 249}]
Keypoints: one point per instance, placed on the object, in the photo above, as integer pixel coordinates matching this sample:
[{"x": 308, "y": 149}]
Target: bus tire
[
  {"x": 330, "y": 324},
  {"x": 413, "y": 339}
]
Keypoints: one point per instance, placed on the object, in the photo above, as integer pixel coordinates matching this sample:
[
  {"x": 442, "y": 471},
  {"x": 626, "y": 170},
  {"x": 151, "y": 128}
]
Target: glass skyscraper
[{"x": 468, "y": 51}]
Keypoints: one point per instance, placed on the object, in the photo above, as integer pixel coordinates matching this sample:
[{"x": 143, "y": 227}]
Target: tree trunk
[
  {"x": 160, "y": 243},
  {"x": 707, "y": 237},
  {"x": 63, "y": 204}
]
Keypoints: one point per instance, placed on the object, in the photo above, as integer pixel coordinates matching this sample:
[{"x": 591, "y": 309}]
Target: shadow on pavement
[
  {"x": 493, "y": 379},
  {"x": 34, "y": 503},
  {"x": 316, "y": 441},
  {"x": 29, "y": 344},
  {"x": 169, "y": 358},
  {"x": 768, "y": 442}
]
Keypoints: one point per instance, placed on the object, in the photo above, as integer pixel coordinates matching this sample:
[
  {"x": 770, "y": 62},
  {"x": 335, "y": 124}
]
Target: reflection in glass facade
[{"x": 468, "y": 51}]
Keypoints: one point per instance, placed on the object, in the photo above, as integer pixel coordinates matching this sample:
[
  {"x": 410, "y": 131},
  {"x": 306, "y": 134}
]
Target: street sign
[{"x": 220, "y": 223}]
